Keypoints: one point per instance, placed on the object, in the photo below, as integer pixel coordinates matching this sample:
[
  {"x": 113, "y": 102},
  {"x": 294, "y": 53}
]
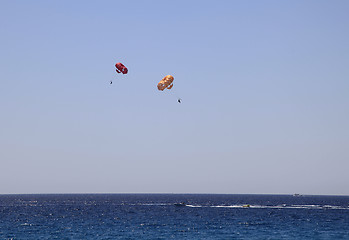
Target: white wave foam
[
  {"x": 247, "y": 206},
  {"x": 155, "y": 204},
  {"x": 283, "y": 206}
]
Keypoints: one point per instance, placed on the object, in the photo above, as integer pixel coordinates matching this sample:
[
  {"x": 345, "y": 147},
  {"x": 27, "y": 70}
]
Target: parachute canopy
[
  {"x": 120, "y": 68},
  {"x": 166, "y": 82}
]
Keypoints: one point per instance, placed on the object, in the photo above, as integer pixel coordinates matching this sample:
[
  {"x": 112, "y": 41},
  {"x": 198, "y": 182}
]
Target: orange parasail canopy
[{"x": 166, "y": 82}]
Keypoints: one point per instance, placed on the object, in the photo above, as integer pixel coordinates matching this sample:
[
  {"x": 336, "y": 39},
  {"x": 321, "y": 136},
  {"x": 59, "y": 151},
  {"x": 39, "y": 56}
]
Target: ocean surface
[{"x": 155, "y": 216}]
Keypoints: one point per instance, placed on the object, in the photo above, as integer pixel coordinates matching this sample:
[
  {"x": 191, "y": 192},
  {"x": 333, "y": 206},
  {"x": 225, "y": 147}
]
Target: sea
[{"x": 173, "y": 216}]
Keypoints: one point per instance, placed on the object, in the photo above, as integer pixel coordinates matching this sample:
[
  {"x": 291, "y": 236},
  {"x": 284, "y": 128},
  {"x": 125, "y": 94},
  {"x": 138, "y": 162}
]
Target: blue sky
[{"x": 264, "y": 86}]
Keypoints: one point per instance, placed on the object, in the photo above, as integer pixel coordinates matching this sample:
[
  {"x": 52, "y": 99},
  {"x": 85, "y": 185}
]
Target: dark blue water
[{"x": 154, "y": 216}]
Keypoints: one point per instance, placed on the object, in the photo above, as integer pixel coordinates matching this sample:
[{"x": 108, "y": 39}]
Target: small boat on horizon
[{"x": 181, "y": 204}]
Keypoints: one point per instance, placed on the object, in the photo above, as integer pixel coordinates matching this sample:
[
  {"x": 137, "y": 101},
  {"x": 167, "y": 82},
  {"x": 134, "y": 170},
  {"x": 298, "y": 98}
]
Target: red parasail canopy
[{"x": 120, "y": 68}]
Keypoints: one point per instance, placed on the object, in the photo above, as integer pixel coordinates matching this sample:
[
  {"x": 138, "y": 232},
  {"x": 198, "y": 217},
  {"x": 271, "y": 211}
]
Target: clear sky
[{"x": 264, "y": 84}]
